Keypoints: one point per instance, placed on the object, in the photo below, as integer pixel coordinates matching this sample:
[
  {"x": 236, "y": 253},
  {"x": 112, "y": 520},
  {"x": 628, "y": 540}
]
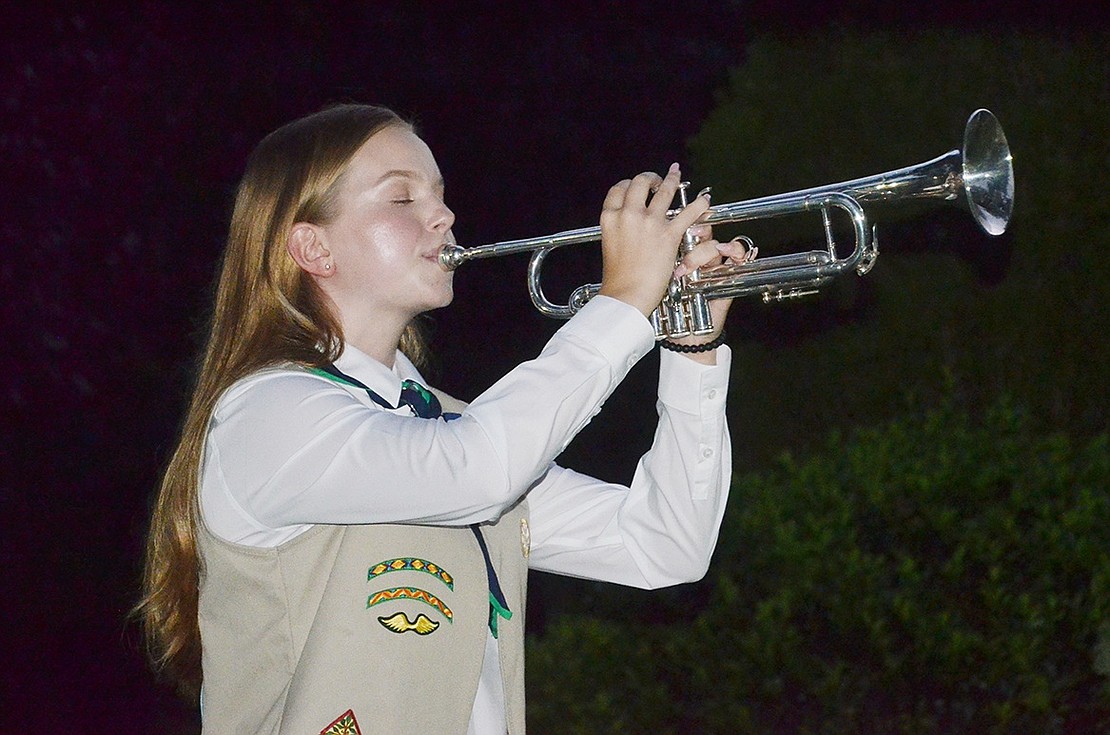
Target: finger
[
  {"x": 664, "y": 193},
  {"x": 642, "y": 185},
  {"x": 739, "y": 249},
  {"x": 689, "y": 215},
  {"x": 617, "y": 193},
  {"x": 702, "y": 232},
  {"x": 705, "y": 253}
]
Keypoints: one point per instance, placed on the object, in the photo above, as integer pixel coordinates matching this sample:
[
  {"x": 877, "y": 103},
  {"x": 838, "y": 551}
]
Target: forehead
[{"x": 394, "y": 151}]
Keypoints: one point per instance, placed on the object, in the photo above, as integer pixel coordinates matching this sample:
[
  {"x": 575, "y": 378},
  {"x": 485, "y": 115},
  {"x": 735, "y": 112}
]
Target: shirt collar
[{"x": 377, "y": 377}]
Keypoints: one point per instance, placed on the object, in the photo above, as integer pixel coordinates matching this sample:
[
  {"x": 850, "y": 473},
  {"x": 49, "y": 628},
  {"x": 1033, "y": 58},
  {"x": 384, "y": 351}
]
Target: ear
[{"x": 306, "y": 247}]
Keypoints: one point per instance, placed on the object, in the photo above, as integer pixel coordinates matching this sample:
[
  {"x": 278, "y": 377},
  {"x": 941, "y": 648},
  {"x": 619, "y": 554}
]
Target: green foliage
[
  {"x": 594, "y": 676},
  {"x": 950, "y": 570},
  {"x": 938, "y": 574},
  {"x": 946, "y": 307}
]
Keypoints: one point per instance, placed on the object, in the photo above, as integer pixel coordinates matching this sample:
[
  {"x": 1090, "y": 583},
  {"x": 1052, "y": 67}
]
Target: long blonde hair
[{"x": 267, "y": 311}]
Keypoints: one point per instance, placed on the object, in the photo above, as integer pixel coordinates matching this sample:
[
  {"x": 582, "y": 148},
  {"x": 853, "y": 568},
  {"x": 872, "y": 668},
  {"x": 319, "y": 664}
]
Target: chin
[
  {"x": 449, "y": 289},
  {"x": 444, "y": 298}
]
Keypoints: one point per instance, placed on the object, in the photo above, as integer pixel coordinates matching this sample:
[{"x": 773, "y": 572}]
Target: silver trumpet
[{"x": 979, "y": 178}]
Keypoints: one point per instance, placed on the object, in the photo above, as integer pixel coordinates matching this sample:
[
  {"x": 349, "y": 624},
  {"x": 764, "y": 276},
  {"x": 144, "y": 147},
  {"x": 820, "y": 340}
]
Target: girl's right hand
[{"x": 639, "y": 244}]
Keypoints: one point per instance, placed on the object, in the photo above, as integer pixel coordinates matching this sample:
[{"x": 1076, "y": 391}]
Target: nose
[{"x": 442, "y": 218}]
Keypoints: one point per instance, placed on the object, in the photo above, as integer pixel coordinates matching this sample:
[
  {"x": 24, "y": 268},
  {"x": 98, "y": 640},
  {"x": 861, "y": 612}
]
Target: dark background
[{"x": 124, "y": 131}]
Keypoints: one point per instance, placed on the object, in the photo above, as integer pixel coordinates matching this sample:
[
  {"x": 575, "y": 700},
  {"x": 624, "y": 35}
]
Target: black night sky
[{"x": 124, "y": 131}]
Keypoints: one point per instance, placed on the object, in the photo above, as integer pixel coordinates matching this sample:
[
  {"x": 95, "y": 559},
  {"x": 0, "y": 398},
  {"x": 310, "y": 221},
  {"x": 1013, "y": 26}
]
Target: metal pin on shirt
[{"x": 525, "y": 538}]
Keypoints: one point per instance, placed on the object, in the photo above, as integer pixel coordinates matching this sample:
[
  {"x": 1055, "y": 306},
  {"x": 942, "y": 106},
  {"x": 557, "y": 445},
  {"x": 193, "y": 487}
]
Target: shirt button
[
  {"x": 707, "y": 452},
  {"x": 711, "y": 394}
]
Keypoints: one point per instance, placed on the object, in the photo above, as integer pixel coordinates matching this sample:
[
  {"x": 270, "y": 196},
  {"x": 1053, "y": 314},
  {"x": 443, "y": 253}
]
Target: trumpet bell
[{"x": 988, "y": 173}]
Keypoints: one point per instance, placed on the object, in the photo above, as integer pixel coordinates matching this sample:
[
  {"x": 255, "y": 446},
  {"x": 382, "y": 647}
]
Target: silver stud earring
[{"x": 327, "y": 266}]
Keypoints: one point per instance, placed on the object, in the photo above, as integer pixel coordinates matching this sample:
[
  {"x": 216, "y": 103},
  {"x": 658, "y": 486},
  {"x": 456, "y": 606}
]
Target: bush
[
  {"x": 937, "y": 574},
  {"x": 1022, "y": 315}
]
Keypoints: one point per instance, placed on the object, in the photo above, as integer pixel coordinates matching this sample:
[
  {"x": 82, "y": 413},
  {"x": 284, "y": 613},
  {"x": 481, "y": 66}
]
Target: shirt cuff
[
  {"x": 691, "y": 387},
  {"x": 616, "y": 330}
]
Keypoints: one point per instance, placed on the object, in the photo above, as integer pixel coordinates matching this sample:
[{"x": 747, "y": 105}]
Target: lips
[{"x": 434, "y": 255}]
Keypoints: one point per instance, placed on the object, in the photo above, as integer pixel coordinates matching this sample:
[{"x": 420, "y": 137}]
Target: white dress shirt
[{"x": 288, "y": 449}]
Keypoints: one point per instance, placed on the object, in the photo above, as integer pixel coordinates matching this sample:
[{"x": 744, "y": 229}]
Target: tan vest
[{"x": 359, "y": 629}]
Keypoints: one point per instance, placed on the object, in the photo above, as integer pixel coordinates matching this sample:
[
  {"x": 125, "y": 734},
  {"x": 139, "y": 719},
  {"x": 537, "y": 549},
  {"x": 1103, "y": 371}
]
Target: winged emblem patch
[{"x": 400, "y": 623}]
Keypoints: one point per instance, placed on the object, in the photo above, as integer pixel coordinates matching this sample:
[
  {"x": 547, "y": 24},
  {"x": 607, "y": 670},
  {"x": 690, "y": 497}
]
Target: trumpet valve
[
  {"x": 701, "y": 320},
  {"x": 677, "y": 323},
  {"x": 682, "y": 316},
  {"x": 659, "y": 323}
]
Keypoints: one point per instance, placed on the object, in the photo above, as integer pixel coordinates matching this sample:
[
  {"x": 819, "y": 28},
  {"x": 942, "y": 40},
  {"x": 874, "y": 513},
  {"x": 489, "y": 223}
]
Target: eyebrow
[{"x": 408, "y": 174}]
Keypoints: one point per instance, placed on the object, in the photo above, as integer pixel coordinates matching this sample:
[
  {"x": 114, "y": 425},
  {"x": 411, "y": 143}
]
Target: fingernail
[
  {"x": 673, "y": 169},
  {"x": 707, "y": 192},
  {"x": 680, "y": 270}
]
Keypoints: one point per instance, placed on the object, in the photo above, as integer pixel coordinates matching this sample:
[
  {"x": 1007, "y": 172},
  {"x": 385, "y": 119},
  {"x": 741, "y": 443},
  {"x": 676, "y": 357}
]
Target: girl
[{"x": 337, "y": 549}]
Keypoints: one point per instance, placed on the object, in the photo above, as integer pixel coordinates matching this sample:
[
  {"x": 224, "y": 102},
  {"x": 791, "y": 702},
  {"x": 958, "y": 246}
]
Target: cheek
[{"x": 392, "y": 240}]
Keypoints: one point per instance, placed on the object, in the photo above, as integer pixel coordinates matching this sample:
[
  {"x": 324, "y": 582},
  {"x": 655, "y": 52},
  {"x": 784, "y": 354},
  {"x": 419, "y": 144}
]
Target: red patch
[{"x": 345, "y": 724}]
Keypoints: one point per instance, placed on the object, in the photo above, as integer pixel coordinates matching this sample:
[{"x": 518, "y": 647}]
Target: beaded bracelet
[{"x": 673, "y": 347}]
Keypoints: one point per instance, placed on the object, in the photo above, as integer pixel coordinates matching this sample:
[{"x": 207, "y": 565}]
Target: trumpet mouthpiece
[{"x": 451, "y": 257}]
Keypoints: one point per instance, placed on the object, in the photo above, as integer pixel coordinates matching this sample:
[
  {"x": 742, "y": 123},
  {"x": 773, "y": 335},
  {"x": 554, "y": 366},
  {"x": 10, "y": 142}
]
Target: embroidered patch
[
  {"x": 411, "y": 564},
  {"x": 345, "y": 724},
  {"x": 410, "y": 593},
  {"x": 400, "y": 623}
]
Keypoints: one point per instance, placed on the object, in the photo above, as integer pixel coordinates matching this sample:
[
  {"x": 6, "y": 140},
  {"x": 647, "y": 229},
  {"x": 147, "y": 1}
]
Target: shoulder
[{"x": 277, "y": 388}]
